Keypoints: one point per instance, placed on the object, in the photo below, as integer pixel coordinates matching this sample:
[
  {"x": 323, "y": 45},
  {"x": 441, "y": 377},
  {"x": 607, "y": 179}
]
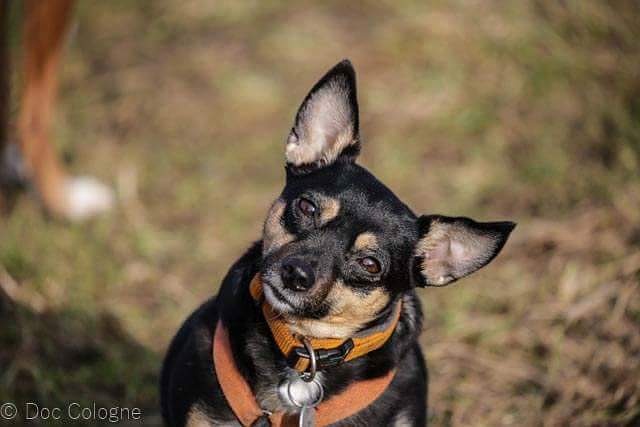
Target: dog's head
[{"x": 338, "y": 245}]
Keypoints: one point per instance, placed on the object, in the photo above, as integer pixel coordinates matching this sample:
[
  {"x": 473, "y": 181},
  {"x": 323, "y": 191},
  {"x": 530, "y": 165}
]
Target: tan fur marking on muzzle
[
  {"x": 275, "y": 235},
  {"x": 349, "y": 311}
]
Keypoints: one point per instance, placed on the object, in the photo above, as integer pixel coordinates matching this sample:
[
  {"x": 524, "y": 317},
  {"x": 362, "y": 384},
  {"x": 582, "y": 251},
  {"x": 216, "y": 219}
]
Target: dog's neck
[
  {"x": 319, "y": 328},
  {"x": 300, "y": 347}
]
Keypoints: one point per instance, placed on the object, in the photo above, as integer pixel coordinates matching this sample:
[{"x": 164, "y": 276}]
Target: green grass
[{"x": 497, "y": 110}]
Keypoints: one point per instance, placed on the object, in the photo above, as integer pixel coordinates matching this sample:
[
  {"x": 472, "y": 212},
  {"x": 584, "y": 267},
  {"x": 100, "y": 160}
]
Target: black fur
[{"x": 365, "y": 205}]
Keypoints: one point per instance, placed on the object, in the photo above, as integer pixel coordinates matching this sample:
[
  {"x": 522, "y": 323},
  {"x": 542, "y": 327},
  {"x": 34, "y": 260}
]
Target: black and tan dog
[{"x": 323, "y": 311}]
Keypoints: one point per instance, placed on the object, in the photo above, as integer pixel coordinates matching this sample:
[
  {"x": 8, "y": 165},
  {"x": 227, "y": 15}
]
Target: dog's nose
[{"x": 297, "y": 275}]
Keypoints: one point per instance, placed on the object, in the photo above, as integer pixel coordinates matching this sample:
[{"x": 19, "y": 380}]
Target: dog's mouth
[{"x": 277, "y": 300}]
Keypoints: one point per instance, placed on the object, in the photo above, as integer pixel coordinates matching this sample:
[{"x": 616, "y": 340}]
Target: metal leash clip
[
  {"x": 313, "y": 363},
  {"x": 307, "y": 416}
]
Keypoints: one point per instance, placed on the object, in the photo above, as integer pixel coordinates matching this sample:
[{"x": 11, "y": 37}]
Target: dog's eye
[
  {"x": 306, "y": 207},
  {"x": 370, "y": 264}
]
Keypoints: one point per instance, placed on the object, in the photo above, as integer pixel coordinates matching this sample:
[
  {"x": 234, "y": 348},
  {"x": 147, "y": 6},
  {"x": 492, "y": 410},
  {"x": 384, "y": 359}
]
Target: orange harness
[{"x": 353, "y": 399}]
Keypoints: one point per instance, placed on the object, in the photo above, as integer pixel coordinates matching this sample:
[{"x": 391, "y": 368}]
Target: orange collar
[
  {"x": 328, "y": 351},
  {"x": 242, "y": 401}
]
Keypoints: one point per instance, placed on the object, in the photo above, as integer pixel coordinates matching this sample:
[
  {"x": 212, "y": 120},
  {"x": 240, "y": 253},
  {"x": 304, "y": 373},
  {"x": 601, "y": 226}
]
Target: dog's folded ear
[
  {"x": 451, "y": 248},
  {"x": 326, "y": 125}
]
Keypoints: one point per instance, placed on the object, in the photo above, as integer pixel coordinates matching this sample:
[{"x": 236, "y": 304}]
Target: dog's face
[{"x": 338, "y": 245}]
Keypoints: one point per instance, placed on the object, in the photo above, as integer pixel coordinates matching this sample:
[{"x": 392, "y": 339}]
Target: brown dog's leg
[{"x": 46, "y": 24}]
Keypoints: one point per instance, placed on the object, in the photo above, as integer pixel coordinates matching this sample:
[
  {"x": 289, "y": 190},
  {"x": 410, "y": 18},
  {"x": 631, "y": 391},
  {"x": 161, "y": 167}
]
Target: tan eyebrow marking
[
  {"x": 365, "y": 240},
  {"x": 329, "y": 209}
]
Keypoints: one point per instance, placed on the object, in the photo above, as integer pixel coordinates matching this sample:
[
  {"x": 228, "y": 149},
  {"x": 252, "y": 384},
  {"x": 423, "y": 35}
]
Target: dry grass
[{"x": 515, "y": 110}]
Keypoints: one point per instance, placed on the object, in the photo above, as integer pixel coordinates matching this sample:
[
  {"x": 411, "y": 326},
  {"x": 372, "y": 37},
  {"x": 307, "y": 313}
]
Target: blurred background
[{"x": 527, "y": 110}]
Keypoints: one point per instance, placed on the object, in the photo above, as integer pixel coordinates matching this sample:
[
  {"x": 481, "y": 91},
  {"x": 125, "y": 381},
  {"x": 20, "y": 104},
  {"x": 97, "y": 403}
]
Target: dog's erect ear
[
  {"x": 326, "y": 126},
  {"x": 451, "y": 248}
]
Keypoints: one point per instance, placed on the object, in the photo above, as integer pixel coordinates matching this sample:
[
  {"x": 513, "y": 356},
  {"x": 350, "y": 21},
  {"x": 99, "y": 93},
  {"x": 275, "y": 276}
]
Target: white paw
[{"x": 87, "y": 197}]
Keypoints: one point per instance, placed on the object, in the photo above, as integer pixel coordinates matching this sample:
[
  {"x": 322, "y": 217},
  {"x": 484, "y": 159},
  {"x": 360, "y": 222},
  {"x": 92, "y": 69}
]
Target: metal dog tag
[
  {"x": 300, "y": 393},
  {"x": 307, "y": 417}
]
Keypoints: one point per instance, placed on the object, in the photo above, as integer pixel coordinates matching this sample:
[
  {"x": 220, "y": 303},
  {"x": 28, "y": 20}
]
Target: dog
[
  {"x": 318, "y": 322},
  {"x": 30, "y": 161}
]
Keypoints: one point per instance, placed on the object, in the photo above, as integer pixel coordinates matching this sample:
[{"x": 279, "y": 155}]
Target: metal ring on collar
[{"x": 309, "y": 376}]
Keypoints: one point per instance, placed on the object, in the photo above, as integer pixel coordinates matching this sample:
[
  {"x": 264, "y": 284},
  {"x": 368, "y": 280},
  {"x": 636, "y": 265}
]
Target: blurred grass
[{"x": 516, "y": 110}]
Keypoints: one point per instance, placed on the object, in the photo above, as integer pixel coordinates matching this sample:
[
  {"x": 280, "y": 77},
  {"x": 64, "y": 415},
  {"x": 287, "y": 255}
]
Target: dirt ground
[{"x": 526, "y": 111}]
